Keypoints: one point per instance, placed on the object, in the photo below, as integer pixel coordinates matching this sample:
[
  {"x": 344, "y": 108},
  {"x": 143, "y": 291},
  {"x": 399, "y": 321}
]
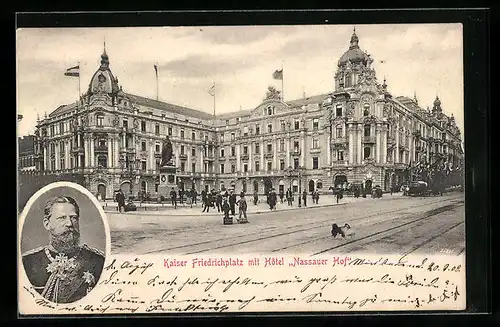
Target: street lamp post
[{"x": 300, "y": 186}]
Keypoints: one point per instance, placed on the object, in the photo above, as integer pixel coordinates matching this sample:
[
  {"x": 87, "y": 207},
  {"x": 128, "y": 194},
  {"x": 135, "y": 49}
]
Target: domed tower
[
  {"x": 352, "y": 65},
  {"x": 103, "y": 82},
  {"x": 436, "y": 110}
]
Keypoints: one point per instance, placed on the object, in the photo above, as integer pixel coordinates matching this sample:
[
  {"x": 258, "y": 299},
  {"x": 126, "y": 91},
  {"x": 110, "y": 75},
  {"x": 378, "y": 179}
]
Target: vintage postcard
[{"x": 240, "y": 169}]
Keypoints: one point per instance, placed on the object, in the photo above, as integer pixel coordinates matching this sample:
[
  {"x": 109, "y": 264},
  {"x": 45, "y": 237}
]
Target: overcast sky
[{"x": 426, "y": 59}]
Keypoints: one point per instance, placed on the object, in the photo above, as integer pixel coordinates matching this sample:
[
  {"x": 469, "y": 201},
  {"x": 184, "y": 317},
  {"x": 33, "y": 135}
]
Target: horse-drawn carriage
[{"x": 421, "y": 188}]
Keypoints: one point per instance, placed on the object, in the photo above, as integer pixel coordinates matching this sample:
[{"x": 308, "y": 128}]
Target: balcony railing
[
  {"x": 209, "y": 158},
  {"x": 295, "y": 152},
  {"x": 183, "y": 156},
  {"x": 369, "y": 139},
  {"x": 339, "y": 140},
  {"x": 244, "y": 157},
  {"x": 101, "y": 148},
  {"x": 269, "y": 155}
]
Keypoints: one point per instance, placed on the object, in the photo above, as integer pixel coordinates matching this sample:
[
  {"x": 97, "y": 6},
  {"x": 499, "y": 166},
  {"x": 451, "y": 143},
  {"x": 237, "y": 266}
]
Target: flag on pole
[
  {"x": 73, "y": 71},
  {"x": 278, "y": 74},
  {"x": 156, "y": 70},
  {"x": 211, "y": 91}
]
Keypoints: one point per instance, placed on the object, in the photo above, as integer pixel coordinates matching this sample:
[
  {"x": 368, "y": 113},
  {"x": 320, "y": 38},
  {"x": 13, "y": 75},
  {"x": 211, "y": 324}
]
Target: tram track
[
  {"x": 300, "y": 230},
  {"x": 392, "y": 230}
]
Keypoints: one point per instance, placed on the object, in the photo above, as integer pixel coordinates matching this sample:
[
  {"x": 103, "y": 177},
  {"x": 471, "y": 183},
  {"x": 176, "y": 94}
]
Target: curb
[{"x": 138, "y": 213}]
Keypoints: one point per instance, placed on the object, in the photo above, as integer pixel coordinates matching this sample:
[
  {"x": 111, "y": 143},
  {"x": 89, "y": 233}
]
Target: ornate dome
[
  {"x": 354, "y": 54},
  {"x": 437, "y": 102},
  {"x": 103, "y": 80}
]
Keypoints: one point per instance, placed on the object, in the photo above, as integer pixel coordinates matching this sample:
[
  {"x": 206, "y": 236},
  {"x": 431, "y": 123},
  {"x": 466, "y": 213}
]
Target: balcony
[
  {"x": 315, "y": 150},
  {"x": 101, "y": 148},
  {"x": 339, "y": 140},
  {"x": 209, "y": 159},
  {"x": 339, "y": 163},
  {"x": 369, "y": 139},
  {"x": 269, "y": 155},
  {"x": 244, "y": 157},
  {"x": 295, "y": 152},
  {"x": 183, "y": 156}
]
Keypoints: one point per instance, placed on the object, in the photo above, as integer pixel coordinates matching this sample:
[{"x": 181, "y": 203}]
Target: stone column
[
  {"x": 288, "y": 150},
  {"x": 378, "y": 157},
  {"x": 68, "y": 156},
  {"x": 250, "y": 159},
  {"x": 359, "y": 147},
  {"x": 116, "y": 150},
  {"x": 57, "y": 155},
  {"x": 396, "y": 157},
  {"x": 87, "y": 152},
  {"x": 351, "y": 143},
  {"x": 302, "y": 148},
  {"x": 329, "y": 147},
  {"x": 238, "y": 157},
  {"x": 275, "y": 154},
  {"x": 262, "y": 168},
  {"x": 177, "y": 153},
  {"x": 384, "y": 144},
  {"x": 201, "y": 159},
  {"x": 152, "y": 163},
  {"x": 92, "y": 159}
]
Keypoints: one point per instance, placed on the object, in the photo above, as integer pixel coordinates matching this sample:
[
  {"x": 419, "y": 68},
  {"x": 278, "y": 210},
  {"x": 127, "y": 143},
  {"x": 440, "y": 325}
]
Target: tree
[{"x": 273, "y": 93}]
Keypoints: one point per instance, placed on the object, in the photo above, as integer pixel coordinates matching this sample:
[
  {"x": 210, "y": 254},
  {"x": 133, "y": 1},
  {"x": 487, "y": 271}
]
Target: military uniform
[{"x": 63, "y": 278}]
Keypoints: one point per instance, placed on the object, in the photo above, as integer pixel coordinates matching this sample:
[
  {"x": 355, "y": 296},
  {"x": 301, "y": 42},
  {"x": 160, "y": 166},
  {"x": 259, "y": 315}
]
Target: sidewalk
[{"x": 196, "y": 210}]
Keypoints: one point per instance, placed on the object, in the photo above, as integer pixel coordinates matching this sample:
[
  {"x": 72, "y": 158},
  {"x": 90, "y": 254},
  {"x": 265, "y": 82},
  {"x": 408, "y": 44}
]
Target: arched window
[
  {"x": 102, "y": 161},
  {"x": 143, "y": 186},
  {"x": 368, "y": 129},
  {"x": 244, "y": 186},
  {"x": 366, "y": 110},
  {"x": 367, "y": 152},
  {"x": 255, "y": 186},
  {"x": 319, "y": 184},
  {"x": 270, "y": 111}
]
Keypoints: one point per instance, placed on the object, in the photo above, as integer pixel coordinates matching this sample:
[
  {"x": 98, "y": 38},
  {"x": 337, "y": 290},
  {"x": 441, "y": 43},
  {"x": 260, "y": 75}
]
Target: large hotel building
[{"x": 358, "y": 133}]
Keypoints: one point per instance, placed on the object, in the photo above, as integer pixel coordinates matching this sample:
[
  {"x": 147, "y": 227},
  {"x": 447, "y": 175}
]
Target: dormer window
[{"x": 270, "y": 111}]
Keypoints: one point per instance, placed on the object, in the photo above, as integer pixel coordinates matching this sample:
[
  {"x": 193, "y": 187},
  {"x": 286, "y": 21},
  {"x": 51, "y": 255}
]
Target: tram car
[{"x": 418, "y": 188}]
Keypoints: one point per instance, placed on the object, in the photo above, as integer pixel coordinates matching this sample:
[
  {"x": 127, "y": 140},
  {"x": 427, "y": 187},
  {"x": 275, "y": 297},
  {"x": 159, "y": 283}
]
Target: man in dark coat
[
  {"x": 289, "y": 196},
  {"x": 304, "y": 198},
  {"x": 64, "y": 271},
  {"x": 120, "y": 199},
  {"x": 282, "y": 195},
  {"x": 181, "y": 196},
  {"x": 207, "y": 202},
  {"x": 194, "y": 196},
  {"x": 232, "y": 202},
  {"x": 255, "y": 197},
  {"x": 218, "y": 201},
  {"x": 173, "y": 197}
]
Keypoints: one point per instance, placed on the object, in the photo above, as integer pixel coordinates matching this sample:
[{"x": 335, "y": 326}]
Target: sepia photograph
[
  {"x": 63, "y": 243},
  {"x": 311, "y": 145}
]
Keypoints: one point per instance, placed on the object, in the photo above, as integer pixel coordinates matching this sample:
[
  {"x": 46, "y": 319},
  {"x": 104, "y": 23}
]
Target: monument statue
[{"x": 166, "y": 153}]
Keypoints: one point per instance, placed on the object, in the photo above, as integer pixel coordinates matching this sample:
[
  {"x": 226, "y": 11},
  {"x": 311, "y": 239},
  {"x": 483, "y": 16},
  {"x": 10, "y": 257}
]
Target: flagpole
[
  {"x": 157, "y": 81},
  {"x": 215, "y": 92},
  {"x": 282, "y": 79},
  {"x": 79, "y": 92}
]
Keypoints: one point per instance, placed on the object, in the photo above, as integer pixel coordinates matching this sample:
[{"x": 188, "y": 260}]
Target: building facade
[
  {"x": 26, "y": 151},
  {"x": 358, "y": 133}
]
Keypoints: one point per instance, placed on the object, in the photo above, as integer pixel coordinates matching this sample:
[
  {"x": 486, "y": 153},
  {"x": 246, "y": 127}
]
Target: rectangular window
[
  {"x": 193, "y": 136},
  {"x": 269, "y": 166},
  {"x": 52, "y": 133},
  {"x": 315, "y": 143},
  {"x": 182, "y": 134},
  {"x": 206, "y": 137},
  {"x": 296, "y": 147},
  {"x": 315, "y": 162},
  {"x": 233, "y": 168},
  {"x": 233, "y": 151},
  {"x": 183, "y": 166},
  {"x": 143, "y": 126},
  {"x": 269, "y": 148},
  {"x": 170, "y": 131},
  {"x": 315, "y": 124},
  {"x": 282, "y": 164},
  {"x": 61, "y": 164},
  {"x": 157, "y": 129},
  {"x": 340, "y": 155},
  {"x": 269, "y": 128},
  {"x": 143, "y": 165},
  {"x": 143, "y": 146},
  {"x": 257, "y": 147},
  {"x": 193, "y": 152},
  {"x": 283, "y": 125},
  {"x": 257, "y": 166},
  {"x": 245, "y": 131},
  {"x": 157, "y": 148},
  {"x": 338, "y": 111},
  {"x": 61, "y": 128},
  {"x": 193, "y": 167},
  {"x": 222, "y": 138},
  {"x": 296, "y": 124},
  {"x": 245, "y": 168},
  {"x": 182, "y": 149},
  {"x": 295, "y": 163},
  {"x": 257, "y": 129},
  {"x": 232, "y": 136},
  {"x": 222, "y": 168},
  {"x": 282, "y": 145},
  {"x": 245, "y": 149},
  {"x": 339, "y": 133},
  {"x": 222, "y": 153}
]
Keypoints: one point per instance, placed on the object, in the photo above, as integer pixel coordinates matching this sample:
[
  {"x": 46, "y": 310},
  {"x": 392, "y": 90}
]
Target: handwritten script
[{"x": 156, "y": 284}]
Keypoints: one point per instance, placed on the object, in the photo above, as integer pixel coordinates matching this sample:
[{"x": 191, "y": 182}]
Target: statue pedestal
[{"x": 167, "y": 180}]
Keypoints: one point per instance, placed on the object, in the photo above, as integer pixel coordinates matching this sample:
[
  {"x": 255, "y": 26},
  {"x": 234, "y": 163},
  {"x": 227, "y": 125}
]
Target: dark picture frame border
[{"x": 476, "y": 120}]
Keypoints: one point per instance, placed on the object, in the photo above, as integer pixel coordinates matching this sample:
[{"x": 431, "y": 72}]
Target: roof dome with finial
[
  {"x": 103, "y": 80},
  {"x": 437, "y": 102},
  {"x": 354, "y": 54}
]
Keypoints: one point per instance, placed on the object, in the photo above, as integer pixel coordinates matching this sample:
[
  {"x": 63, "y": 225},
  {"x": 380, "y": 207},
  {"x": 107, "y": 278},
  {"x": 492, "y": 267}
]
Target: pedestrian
[
  {"x": 317, "y": 196},
  {"x": 120, "y": 199},
  {"x": 255, "y": 197},
  {"x": 194, "y": 196},
  {"x": 181, "y": 196},
  {"x": 232, "y": 202},
  {"x": 173, "y": 197},
  {"x": 203, "y": 197},
  {"x": 273, "y": 199},
  {"x": 242, "y": 208},
  {"x": 304, "y": 198},
  {"x": 218, "y": 201},
  {"x": 226, "y": 208},
  {"x": 282, "y": 195},
  {"x": 289, "y": 196}
]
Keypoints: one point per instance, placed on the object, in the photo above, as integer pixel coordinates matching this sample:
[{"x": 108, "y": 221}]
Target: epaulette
[
  {"x": 94, "y": 250},
  {"x": 39, "y": 249}
]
